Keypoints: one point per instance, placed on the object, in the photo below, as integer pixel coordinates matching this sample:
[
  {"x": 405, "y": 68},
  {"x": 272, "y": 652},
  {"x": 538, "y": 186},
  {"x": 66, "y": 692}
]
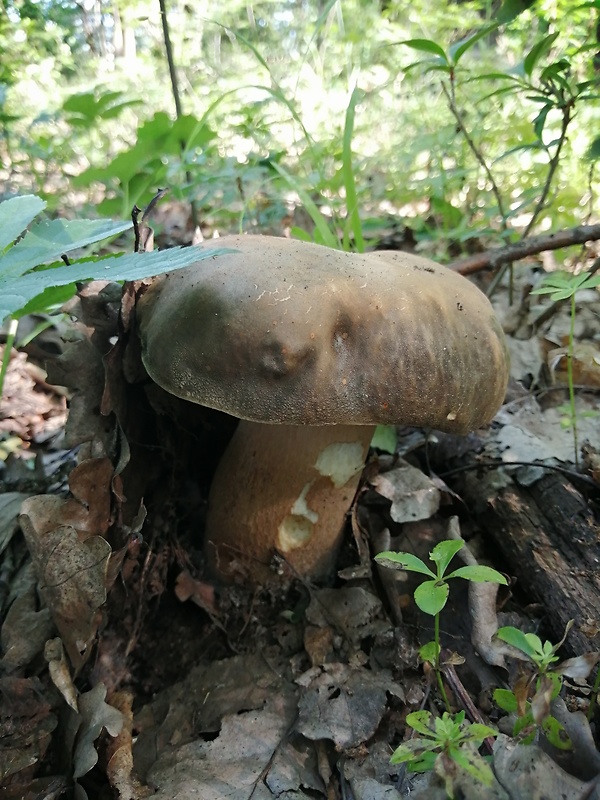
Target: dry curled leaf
[
  {"x": 414, "y": 496},
  {"x": 71, "y": 568},
  {"x": 59, "y": 671}
]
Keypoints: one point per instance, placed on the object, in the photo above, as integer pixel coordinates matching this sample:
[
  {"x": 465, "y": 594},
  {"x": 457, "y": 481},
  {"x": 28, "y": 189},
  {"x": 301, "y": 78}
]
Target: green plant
[
  {"x": 32, "y": 279},
  {"x": 533, "y": 692},
  {"x": 445, "y": 739},
  {"x": 548, "y": 92},
  {"x": 564, "y": 286},
  {"x": 431, "y": 595}
]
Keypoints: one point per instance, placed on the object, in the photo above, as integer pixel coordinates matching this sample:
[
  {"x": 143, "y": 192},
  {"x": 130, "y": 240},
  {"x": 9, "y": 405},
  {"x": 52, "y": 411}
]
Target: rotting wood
[{"x": 550, "y": 539}]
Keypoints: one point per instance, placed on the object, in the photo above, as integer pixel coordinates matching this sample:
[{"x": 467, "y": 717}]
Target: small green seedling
[
  {"x": 431, "y": 595},
  {"x": 443, "y": 739},
  {"x": 533, "y": 693},
  {"x": 564, "y": 286}
]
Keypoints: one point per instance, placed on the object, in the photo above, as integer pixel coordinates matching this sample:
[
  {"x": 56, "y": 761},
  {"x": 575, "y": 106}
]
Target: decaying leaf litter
[{"x": 124, "y": 666}]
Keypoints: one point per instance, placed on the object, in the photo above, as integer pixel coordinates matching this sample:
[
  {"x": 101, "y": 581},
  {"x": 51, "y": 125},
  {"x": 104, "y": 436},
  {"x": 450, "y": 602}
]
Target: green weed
[
  {"x": 431, "y": 595},
  {"x": 564, "y": 286}
]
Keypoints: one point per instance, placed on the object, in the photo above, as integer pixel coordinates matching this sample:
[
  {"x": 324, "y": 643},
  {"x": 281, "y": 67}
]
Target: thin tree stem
[
  {"x": 176, "y": 95},
  {"x": 554, "y": 161},
  {"x": 451, "y": 98}
]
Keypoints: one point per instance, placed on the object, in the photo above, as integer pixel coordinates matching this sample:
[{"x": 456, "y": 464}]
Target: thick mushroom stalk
[
  {"x": 311, "y": 348},
  {"x": 283, "y": 489}
]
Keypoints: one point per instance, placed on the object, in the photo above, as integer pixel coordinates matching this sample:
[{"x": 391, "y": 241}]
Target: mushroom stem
[{"x": 283, "y": 489}]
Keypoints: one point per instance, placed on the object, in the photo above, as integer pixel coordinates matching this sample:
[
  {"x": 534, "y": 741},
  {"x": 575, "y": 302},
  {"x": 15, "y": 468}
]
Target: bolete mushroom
[{"x": 311, "y": 348}]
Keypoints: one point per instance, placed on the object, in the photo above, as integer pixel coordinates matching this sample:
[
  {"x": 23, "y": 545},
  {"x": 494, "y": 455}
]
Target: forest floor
[{"x": 126, "y": 672}]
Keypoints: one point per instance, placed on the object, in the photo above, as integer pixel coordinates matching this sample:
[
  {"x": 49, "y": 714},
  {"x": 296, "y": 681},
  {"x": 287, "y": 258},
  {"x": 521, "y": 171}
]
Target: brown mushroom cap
[{"x": 294, "y": 333}]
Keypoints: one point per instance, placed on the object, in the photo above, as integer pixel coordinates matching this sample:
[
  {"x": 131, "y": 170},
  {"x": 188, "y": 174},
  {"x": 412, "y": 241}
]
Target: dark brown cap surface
[{"x": 289, "y": 332}]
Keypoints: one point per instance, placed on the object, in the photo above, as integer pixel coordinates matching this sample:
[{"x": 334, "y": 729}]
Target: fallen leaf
[
  {"x": 414, "y": 496},
  {"x": 59, "y": 671},
  {"x": 24, "y": 631},
  {"x": 233, "y": 766},
  {"x": 526, "y": 771},
  {"x": 86, "y": 726},
  {"x": 343, "y": 704},
  {"x": 26, "y": 724}
]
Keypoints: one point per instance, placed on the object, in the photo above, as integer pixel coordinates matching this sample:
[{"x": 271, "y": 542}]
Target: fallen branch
[{"x": 527, "y": 247}]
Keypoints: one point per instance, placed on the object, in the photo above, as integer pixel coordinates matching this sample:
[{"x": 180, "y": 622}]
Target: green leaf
[
  {"x": 477, "y": 732},
  {"x": 478, "y": 574},
  {"x": 431, "y": 596},
  {"x": 385, "y": 437},
  {"x": 539, "y": 49},
  {"x": 406, "y": 561},
  {"x": 506, "y": 700},
  {"x": 47, "y": 241},
  {"x": 420, "y": 721},
  {"x": 593, "y": 151},
  {"x": 328, "y": 237},
  {"x": 348, "y": 176},
  {"x": 429, "y": 652},
  {"x": 458, "y": 50},
  {"x": 50, "y": 299},
  {"x": 510, "y": 9},
  {"x": 15, "y": 294},
  {"x": 516, "y": 638},
  {"x": 417, "y": 759},
  {"x": 426, "y": 46},
  {"x": 443, "y": 553},
  {"x": 556, "y": 734},
  {"x": 540, "y": 121},
  {"x": 525, "y": 723},
  {"x": 15, "y": 216},
  {"x": 469, "y": 759}
]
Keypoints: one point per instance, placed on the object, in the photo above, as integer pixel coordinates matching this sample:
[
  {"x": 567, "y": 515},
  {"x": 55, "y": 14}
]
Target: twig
[
  {"x": 553, "y": 165},
  {"x": 527, "y": 247},
  {"x": 491, "y": 463},
  {"x": 451, "y": 98},
  {"x": 176, "y": 95},
  {"x": 461, "y": 693}
]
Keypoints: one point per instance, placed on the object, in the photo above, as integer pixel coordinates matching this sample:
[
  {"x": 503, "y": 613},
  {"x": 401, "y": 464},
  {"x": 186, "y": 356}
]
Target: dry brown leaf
[
  {"x": 344, "y": 704},
  {"x": 24, "y": 631},
  {"x": 26, "y": 724},
  {"x": 235, "y": 765},
  {"x": 528, "y": 773},
  {"x": 70, "y": 555},
  {"x": 59, "y": 671},
  {"x": 414, "y": 496},
  {"x": 71, "y": 568}
]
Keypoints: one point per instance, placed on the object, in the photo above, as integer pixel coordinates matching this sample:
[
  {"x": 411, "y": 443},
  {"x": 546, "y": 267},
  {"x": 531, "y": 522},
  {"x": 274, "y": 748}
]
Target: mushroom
[{"x": 311, "y": 348}]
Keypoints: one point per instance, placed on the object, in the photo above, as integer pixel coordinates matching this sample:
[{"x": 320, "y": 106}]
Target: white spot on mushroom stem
[{"x": 340, "y": 462}]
